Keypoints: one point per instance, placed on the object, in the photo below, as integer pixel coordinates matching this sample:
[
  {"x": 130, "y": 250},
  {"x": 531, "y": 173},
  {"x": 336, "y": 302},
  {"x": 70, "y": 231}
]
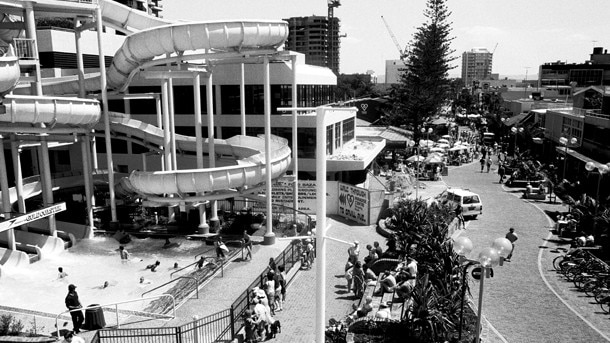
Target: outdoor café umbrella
[
  {"x": 433, "y": 159},
  {"x": 446, "y": 136},
  {"x": 442, "y": 145},
  {"x": 425, "y": 142},
  {"x": 443, "y": 141},
  {"x": 458, "y": 148},
  {"x": 415, "y": 158},
  {"x": 437, "y": 149}
]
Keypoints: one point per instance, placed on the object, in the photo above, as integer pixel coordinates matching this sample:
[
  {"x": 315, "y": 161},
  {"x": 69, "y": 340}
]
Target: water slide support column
[
  {"x": 320, "y": 224},
  {"x": 172, "y": 122},
  {"x": 103, "y": 84},
  {"x": 48, "y": 183},
  {"x": 269, "y": 238},
  {"x": 31, "y": 33},
  {"x": 166, "y": 132},
  {"x": 6, "y": 201},
  {"x": 160, "y": 125},
  {"x": 295, "y": 136},
  {"x": 16, "y": 155},
  {"x": 214, "y": 222},
  {"x": 88, "y": 190},
  {"x": 204, "y": 228},
  {"x": 94, "y": 163},
  {"x": 89, "y": 137},
  {"x": 80, "y": 66},
  {"x": 242, "y": 100}
]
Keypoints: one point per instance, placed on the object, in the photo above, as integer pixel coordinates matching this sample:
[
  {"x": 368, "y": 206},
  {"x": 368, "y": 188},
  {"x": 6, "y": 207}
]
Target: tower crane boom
[{"x": 400, "y": 50}]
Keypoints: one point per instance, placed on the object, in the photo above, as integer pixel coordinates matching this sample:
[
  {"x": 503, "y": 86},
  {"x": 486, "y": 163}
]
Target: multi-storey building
[
  {"x": 318, "y": 38},
  {"x": 476, "y": 65},
  {"x": 593, "y": 72}
]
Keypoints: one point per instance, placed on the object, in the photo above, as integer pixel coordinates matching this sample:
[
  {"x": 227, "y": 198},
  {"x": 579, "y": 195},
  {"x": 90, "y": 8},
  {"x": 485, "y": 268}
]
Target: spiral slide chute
[
  {"x": 128, "y": 18},
  {"x": 250, "y": 171},
  {"x": 31, "y": 109},
  {"x": 143, "y": 46},
  {"x": 153, "y": 134},
  {"x": 9, "y": 71}
]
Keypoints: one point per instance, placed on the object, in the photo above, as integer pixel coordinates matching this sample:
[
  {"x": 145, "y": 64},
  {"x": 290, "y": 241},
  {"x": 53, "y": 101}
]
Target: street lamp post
[
  {"x": 488, "y": 257},
  {"x": 601, "y": 169},
  {"x": 566, "y": 142},
  {"x": 516, "y": 131}
]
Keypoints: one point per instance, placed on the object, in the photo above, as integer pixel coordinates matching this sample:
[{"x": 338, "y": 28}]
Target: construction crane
[
  {"x": 494, "y": 50},
  {"x": 400, "y": 50}
]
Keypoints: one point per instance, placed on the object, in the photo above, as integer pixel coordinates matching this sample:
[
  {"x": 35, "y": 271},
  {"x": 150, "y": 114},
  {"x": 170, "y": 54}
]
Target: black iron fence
[{"x": 213, "y": 328}]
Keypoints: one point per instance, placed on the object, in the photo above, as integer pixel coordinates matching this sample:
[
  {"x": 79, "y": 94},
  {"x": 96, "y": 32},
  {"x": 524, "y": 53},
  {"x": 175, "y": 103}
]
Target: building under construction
[{"x": 318, "y": 38}]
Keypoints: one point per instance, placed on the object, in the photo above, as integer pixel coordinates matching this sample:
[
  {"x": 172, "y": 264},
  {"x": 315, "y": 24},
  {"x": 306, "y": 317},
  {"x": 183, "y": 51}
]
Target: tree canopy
[{"x": 424, "y": 85}]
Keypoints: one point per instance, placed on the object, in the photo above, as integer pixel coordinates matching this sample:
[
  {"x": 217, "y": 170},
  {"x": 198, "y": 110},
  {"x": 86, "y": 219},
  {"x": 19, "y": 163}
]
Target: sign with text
[
  {"x": 354, "y": 203},
  {"x": 282, "y": 194},
  {"x": 32, "y": 216}
]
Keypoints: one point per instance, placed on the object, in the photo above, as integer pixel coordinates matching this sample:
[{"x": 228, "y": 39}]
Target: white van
[{"x": 470, "y": 202}]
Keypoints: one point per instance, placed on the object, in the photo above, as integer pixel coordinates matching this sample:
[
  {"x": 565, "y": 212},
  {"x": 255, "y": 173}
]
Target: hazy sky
[{"x": 528, "y": 32}]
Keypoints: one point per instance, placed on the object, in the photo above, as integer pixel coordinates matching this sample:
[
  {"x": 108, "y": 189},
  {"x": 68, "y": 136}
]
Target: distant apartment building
[
  {"x": 393, "y": 70},
  {"x": 593, "y": 72},
  {"x": 317, "y": 38},
  {"x": 476, "y": 65}
]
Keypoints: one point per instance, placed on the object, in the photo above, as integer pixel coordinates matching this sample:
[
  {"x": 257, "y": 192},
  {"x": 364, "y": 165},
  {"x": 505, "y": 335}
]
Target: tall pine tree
[{"x": 424, "y": 83}]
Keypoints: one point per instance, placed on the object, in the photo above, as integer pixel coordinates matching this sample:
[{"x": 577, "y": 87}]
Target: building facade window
[
  {"x": 349, "y": 129},
  {"x": 337, "y": 136},
  {"x": 329, "y": 140}
]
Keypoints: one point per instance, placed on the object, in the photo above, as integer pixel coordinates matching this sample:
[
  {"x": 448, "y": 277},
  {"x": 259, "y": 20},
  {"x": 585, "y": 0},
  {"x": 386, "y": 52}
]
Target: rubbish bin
[{"x": 94, "y": 318}]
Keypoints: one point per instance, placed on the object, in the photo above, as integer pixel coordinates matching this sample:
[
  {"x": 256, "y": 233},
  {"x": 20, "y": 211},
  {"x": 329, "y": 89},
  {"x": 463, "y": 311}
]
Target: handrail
[
  {"x": 116, "y": 305},
  {"x": 189, "y": 265},
  {"x": 176, "y": 279}
]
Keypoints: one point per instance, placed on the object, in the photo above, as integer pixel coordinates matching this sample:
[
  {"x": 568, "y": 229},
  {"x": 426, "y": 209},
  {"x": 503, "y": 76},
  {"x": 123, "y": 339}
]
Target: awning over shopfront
[
  {"x": 518, "y": 119},
  {"x": 562, "y": 150}
]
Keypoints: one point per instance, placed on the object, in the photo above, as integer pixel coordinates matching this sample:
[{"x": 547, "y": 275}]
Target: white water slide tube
[
  {"x": 165, "y": 37},
  {"x": 249, "y": 171}
]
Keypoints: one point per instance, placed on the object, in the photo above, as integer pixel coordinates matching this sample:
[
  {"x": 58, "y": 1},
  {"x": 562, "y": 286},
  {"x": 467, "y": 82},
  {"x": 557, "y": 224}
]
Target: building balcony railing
[
  {"x": 597, "y": 113},
  {"x": 24, "y": 48}
]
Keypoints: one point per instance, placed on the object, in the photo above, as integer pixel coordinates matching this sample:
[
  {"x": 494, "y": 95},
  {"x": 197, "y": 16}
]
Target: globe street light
[
  {"x": 601, "y": 170},
  {"x": 488, "y": 257},
  {"x": 515, "y": 131},
  {"x": 566, "y": 142}
]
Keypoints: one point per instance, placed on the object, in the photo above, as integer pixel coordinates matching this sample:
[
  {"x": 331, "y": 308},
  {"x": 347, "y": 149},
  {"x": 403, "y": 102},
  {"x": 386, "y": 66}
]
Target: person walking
[
  {"x": 221, "y": 249},
  {"x": 247, "y": 242},
  {"x": 73, "y": 303},
  {"x": 489, "y": 162},
  {"x": 512, "y": 237},
  {"x": 460, "y": 217},
  {"x": 501, "y": 172},
  {"x": 482, "y": 161}
]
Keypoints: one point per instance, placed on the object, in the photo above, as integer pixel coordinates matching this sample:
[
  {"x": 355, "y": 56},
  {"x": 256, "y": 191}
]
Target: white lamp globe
[
  {"x": 573, "y": 141},
  {"x": 489, "y": 257},
  {"x": 462, "y": 246},
  {"x": 590, "y": 166},
  {"x": 603, "y": 169},
  {"x": 502, "y": 246}
]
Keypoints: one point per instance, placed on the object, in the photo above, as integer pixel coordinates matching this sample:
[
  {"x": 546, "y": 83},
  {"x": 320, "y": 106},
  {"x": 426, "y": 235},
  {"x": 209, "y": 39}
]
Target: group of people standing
[{"x": 259, "y": 321}]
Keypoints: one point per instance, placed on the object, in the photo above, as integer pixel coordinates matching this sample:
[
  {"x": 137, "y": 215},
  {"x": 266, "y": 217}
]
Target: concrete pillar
[
  {"x": 80, "y": 66},
  {"x": 320, "y": 224},
  {"x": 48, "y": 182},
  {"x": 88, "y": 186},
  {"x": 295, "y": 136},
  {"x": 89, "y": 139},
  {"x": 204, "y": 228},
  {"x": 6, "y": 201},
  {"x": 103, "y": 85},
  {"x": 30, "y": 27},
  {"x": 242, "y": 100},
  {"x": 16, "y": 155},
  {"x": 269, "y": 237},
  {"x": 166, "y": 126},
  {"x": 214, "y": 222}
]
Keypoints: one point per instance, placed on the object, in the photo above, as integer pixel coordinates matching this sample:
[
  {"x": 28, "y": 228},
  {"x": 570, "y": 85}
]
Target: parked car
[{"x": 470, "y": 202}]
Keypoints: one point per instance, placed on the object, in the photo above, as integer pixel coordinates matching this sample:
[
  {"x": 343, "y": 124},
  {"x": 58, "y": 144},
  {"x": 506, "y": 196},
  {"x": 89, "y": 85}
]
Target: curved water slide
[
  {"x": 155, "y": 39},
  {"x": 249, "y": 171}
]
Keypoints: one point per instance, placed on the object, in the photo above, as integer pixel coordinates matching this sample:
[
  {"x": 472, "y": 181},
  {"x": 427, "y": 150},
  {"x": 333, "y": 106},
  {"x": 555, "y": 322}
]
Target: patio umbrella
[
  {"x": 437, "y": 149},
  {"x": 443, "y": 141},
  {"x": 433, "y": 158},
  {"x": 415, "y": 158},
  {"x": 446, "y": 136},
  {"x": 442, "y": 145},
  {"x": 458, "y": 148}
]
